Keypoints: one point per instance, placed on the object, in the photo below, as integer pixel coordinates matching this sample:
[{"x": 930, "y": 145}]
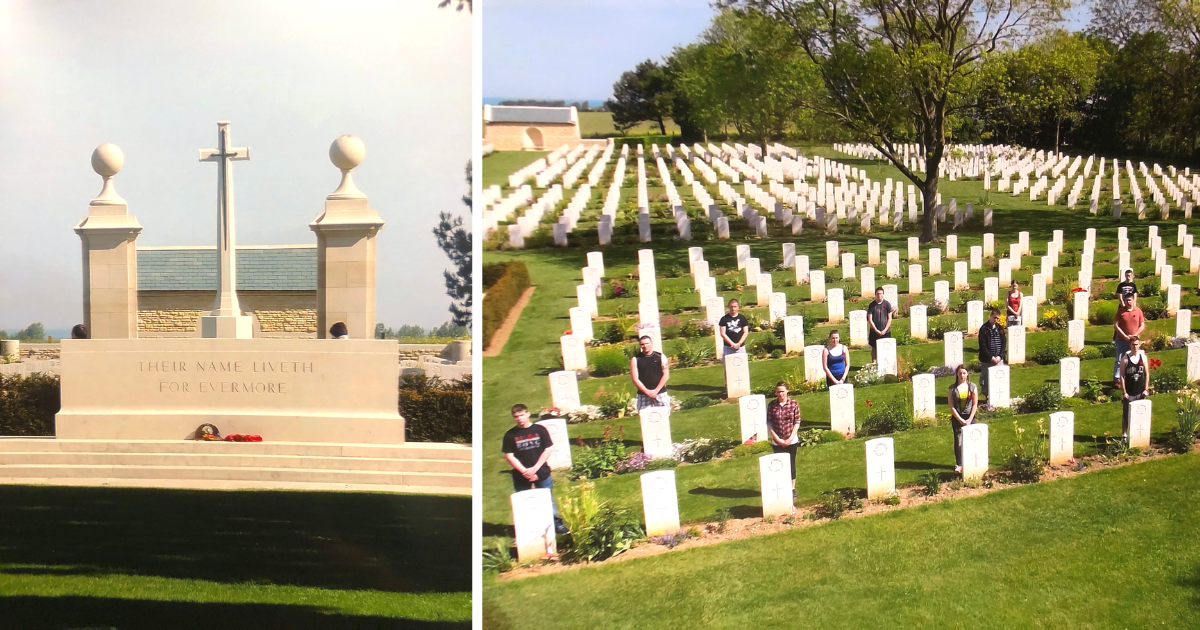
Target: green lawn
[
  {"x": 519, "y": 373},
  {"x": 126, "y": 557},
  {"x": 1114, "y": 548},
  {"x": 499, "y": 165},
  {"x": 597, "y": 124}
]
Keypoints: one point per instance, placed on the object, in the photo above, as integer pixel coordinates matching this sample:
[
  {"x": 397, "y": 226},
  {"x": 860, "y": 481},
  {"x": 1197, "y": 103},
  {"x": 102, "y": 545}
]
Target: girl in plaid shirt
[{"x": 783, "y": 420}]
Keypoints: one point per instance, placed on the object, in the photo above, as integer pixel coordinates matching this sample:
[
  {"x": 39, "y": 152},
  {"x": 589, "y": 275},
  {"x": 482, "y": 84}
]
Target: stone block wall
[
  {"x": 511, "y": 136},
  {"x": 287, "y": 320},
  {"x": 168, "y": 320}
]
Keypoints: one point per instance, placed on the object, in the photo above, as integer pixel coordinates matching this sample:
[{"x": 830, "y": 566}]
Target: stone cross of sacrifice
[{"x": 223, "y": 155}]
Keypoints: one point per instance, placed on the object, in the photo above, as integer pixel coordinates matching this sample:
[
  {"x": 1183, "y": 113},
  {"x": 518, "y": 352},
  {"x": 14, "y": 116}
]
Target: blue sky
[
  {"x": 576, "y": 49},
  {"x": 290, "y": 75}
]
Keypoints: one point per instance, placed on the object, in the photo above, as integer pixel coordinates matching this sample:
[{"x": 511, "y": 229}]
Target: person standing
[
  {"x": 879, "y": 318},
  {"x": 1128, "y": 323},
  {"x": 783, "y": 421},
  {"x": 835, "y": 359},
  {"x": 964, "y": 400},
  {"x": 992, "y": 343},
  {"x": 527, "y": 449},
  {"x": 649, "y": 373},
  {"x": 1126, "y": 289},
  {"x": 1135, "y": 380},
  {"x": 1013, "y": 304},
  {"x": 734, "y": 329}
]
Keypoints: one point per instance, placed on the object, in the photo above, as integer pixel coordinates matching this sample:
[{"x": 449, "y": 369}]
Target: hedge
[
  {"x": 502, "y": 297},
  {"x": 28, "y": 404},
  {"x": 492, "y": 272},
  {"x": 435, "y": 410}
]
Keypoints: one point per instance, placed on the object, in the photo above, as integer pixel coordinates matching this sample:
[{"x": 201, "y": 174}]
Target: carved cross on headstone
[
  {"x": 778, "y": 488},
  {"x": 881, "y": 471}
]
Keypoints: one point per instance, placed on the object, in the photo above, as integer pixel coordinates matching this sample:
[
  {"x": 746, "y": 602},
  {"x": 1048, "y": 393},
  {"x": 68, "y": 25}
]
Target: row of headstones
[
  {"x": 573, "y": 345},
  {"x": 533, "y": 513}
]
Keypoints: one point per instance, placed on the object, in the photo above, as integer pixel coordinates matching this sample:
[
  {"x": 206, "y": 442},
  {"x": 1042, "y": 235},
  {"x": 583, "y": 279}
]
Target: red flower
[
  {"x": 568, "y": 332},
  {"x": 869, "y": 403},
  {"x": 1155, "y": 364},
  {"x": 750, "y": 441},
  {"x": 1078, "y": 290}
]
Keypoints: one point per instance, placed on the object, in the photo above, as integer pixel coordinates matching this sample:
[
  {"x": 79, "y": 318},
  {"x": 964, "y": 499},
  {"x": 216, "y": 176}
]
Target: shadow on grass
[
  {"x": 348, "y": 541},
  {"x": 725, "y": 493},
  {"x": 922, "y": 466},
  {"x": 72, "y": 612}
]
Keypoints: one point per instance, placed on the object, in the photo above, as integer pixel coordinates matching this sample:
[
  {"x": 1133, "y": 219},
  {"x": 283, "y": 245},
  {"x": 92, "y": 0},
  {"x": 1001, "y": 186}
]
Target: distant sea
[{"x": 591, "y": 102}]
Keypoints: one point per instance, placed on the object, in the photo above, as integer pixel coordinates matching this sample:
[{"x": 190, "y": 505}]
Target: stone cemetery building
[
  {"x": 530, "y": 128},
  {"x": 138, "y": 404}
]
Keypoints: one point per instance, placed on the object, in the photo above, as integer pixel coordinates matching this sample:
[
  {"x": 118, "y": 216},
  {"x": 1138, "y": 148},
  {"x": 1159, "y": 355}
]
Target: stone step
[
  {"x": 410, "y": 450},
  {"x": 249, "y": 474},
  {"x": 230, "y": 484},
  {"x": 234, "y": 460}
]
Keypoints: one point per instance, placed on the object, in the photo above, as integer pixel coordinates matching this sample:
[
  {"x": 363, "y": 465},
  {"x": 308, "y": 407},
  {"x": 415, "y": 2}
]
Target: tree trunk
[
  {"x": 1057, "y": 128},
  {"x": 929, "y": 191},
  {"x": 662, "y": 126}
]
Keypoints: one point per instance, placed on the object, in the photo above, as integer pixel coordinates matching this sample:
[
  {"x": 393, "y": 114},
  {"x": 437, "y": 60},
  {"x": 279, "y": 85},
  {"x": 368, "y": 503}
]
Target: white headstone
[
  {"x": 574, "y": 352},
  {"x": 918, "y": 324},
  {"x": 998, "y": 391},
  {"x": 656, "y": 431},
  {"x": 1062, "y": 437},
  {"x": 1183, "y": 323},
  {"x": 560, "y": 443},
  {"x": 533, "y": 523},
  {"x": 858, "y": 328},
  {"x": 881, "y": 468},
  {"x": 935, "y": 262},
  {"x": 793, "y": 333},
  {"x": 867, "y": 282},
  {"x": 762, "y": 289},
  {"x": 837, "y": 306},
  {"x": 1081, "y": 305},
  {"x": 991, "y": 289},
  {"x": 737, "y": 375},
  {"x": 777, "y": 306},
  {"x": 564, "y": 390},
  {"x": 753, "y": 416},
  {"x": 816, "y": 285},
  {"x": 814, "y": 370},
  {"x": 952, "y": 349},
  {"x": 1139, "y": 423},
  {"x": 1068, "y": 376},
  {"x": 1173, "y": 293},
  {"x": 893, "y": 264},
  {"x": 872, "y": 251},
  {"x": 886, "y": 354},
  {"x": 1004, "y": 268},
  {"x": 975, "y": 451},
  {"x": 976, "y": 257},
  {"x": 802, "y": 270},
  {"x": 585, "y": 297},
  {"x": 914, "y": 279},
  {"x": 775, "y": 480},
  {"x": 660, "y": 504},
  {"x": 1193, "y": 362},
  {"x": 989, "y": 245},
  {"x": 974, "y": 316},
  {"x": 841, "y": 409},
  {"x": 914, "y": 248},
  {"x": 941, "y": 291},
  {"x": 743, "y": 254},
  {"x": 849, "y": 271},
  {"x": 596, "y": 259},
  {"x": 753, "y": 271},
  {"x": 1075, "y": 335},
  {"x": 952, "y": 246},
  {"x": 1016, "y": 345},
  {"x": 1029, "y": 315},
  {"x": 789, "y": 255},
  {"x": 581, "y": 323},
  {"x": 924, "y": 397}
]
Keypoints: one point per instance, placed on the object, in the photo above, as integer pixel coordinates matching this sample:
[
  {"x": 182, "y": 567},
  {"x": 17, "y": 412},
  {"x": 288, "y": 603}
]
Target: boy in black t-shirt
[
  {"x": 734, "y": 329},
  {"x": 879, "y": 321},
  {"x": 527, "y": 447},
  {"x": 1127, "y": 290}
]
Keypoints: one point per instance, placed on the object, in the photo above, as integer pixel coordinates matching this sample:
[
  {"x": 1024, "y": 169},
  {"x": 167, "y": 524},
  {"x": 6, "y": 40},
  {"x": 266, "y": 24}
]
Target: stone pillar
[
  {"x": 109, "y": 235},
  {"x": 346, "y": 233}
]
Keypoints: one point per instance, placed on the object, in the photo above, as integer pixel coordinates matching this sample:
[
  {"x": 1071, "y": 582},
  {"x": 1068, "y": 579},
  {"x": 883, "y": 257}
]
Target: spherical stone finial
[
  {"x": 107, "y": 160},
  {"x": 347, "y": 152}
]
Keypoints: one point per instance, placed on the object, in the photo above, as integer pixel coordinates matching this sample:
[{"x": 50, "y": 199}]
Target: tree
[
  {"x": 1118, "y": 20},
  {"x": 699, "y": 104},
  {"x": 1046, "y": 83},
  {"x": 641, "y": 94},
  {"x": 762, "y": 74},
  {"x": 455, "y": 240},
  {"x": 898, "y": 71},
  {"x": 35, "y": 332}
]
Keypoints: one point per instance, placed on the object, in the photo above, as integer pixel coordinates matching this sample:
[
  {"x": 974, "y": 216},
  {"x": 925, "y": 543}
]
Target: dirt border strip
[{"x": 500, "y": 337}]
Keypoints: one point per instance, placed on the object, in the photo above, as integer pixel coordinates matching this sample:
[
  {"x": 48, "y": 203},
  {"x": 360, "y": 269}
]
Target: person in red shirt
[
  {"x": 1129, "y": 322},
  {"x": 783, "y": 421}
]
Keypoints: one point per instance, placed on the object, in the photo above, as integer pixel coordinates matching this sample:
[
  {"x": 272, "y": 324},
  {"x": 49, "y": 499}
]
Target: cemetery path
[{"x": 510, "y": 322}]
